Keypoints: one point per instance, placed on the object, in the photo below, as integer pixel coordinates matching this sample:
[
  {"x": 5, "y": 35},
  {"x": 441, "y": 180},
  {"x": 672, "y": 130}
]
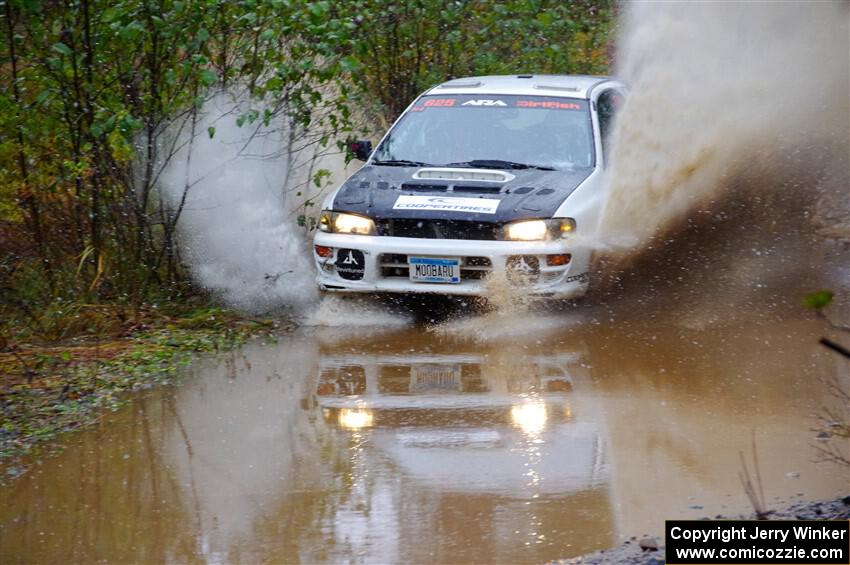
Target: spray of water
[
  {"x": 235, "y": 230},
  {"x": 237, "y": 191},
  {"x": 347, "y": 311},
  {"x": 730, "y": 160},
  {"x": 718, "y": 90},
  {"x": 730, "y": 163}
]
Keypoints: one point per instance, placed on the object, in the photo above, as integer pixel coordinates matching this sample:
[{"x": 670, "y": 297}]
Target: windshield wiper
[
  {"x": 498, "y": 164},
  {"x": 400, "y": 163}
]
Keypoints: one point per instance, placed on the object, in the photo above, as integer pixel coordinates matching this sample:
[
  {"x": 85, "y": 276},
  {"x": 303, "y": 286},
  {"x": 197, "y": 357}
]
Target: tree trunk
[{"x": 26, "y": 196}]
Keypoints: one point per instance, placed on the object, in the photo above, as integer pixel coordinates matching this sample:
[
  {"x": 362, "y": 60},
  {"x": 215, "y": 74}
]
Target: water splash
[
  {"x": 349, "y": 311},
  {"x": 237, "y": 228},
  {"x": 718, "y": 90}
]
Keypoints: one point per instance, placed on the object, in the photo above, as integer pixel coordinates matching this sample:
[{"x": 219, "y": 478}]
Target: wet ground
[{"x": 511, "y": 438}]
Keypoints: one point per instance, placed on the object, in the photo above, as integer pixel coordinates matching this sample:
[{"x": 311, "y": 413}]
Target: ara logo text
[{"x": 483, "y": 103}]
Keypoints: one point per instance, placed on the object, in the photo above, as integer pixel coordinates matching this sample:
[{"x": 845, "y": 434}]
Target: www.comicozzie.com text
[{"x": 757, "y": 533}]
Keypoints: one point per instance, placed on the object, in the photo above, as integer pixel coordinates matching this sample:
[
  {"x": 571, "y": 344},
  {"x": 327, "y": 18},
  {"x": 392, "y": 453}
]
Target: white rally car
[{"x": 481, "y": 176}]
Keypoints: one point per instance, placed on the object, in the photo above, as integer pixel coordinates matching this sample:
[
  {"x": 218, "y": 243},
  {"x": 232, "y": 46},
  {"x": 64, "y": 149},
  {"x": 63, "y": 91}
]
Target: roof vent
[
  {"x": 461, "y": 84},
  {"x": 525, "y": 76},
  {"x": 540, "y": 86}
]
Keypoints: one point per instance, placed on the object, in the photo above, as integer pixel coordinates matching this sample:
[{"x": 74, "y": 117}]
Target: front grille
[
  {"x": 394, "y": 265},
  {"x": 440, "y": 229}
]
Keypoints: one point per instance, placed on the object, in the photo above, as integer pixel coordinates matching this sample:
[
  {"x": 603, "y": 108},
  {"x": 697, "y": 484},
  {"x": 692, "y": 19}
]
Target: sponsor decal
[
  {"x": 350, "y": 264},
  {"x": 447, "y": 204},
  {"x": 484, "y": 103},
  {"x": 350, "y": 259},
  {"x": 549, "y": 104},
  {"x": 523, "y": 269},
  {"x": 583, "y": 277}
]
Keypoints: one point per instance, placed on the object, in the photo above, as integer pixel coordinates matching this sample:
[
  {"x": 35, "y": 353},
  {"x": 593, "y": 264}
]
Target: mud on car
[{"x": 482, "y": 176}]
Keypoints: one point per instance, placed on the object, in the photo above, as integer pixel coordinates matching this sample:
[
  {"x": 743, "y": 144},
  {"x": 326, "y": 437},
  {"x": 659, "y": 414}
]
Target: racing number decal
[{"x": 440, "y": 102}]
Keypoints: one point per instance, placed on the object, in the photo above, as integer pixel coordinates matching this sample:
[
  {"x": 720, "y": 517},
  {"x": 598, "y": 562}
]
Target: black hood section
[{"x": 373, "y": 190}]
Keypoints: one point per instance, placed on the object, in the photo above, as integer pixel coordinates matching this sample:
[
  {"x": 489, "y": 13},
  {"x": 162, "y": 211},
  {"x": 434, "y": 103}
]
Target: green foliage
[
  {"x": 97, "y": 90},
  {"x": 401, "y": 48},
  {"x": 818, "y": 300}
]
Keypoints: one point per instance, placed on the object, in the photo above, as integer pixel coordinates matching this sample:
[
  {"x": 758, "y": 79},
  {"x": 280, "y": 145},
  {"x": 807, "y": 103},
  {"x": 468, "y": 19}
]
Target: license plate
[
  {"x": 434, "y": 377},
  {"x": 435, "y": 269}
]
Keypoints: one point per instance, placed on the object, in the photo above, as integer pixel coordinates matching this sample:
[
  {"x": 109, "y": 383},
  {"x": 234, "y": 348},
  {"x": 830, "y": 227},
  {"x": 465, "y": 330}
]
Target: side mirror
[{"x": 361, "y": 149}]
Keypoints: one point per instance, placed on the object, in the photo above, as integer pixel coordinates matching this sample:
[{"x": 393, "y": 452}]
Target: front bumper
[{"x": 385, "y": 268}]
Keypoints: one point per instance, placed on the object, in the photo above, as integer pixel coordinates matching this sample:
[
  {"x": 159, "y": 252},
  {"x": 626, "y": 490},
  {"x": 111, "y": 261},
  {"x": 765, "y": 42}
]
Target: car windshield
[{"x": 490, "y": 131}]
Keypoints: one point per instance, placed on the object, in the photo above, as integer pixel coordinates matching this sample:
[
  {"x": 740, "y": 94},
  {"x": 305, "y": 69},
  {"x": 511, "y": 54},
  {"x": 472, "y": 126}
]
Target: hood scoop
[{"x": 452, "y": 174}]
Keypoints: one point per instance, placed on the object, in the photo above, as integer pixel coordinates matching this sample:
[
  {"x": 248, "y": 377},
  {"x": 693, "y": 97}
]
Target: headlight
[
  {"x": 531, "y": 230},
  {"x": 340, "y": 222},
  {"x": 538, "y": 230}
]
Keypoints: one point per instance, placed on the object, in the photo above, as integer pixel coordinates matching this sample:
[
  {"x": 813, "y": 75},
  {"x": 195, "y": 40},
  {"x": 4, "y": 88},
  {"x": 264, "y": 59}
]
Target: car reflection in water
[{"x": 470, "y": 428}]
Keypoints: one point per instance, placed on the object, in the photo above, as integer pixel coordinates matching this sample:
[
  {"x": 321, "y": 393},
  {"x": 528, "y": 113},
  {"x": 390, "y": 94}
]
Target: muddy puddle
[{"x": 524, "y": 440}]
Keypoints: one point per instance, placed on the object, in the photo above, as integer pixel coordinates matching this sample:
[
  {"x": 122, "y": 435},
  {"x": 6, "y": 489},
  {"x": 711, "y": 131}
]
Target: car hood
[{"x": 374, "y": 191}]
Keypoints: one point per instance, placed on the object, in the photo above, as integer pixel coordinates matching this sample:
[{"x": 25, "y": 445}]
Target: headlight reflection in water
[
  {"x": 355, "y": 418},
  {"x": 530, "y": 416}
]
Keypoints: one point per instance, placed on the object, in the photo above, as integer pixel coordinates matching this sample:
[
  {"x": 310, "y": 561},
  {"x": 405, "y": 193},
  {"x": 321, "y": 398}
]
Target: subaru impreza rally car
[{"x": 479, "y": 176}]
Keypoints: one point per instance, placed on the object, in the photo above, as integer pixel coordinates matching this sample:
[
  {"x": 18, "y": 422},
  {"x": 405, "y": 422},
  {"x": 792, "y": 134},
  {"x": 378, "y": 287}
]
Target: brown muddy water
[{"x": 515, "y": 440}]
